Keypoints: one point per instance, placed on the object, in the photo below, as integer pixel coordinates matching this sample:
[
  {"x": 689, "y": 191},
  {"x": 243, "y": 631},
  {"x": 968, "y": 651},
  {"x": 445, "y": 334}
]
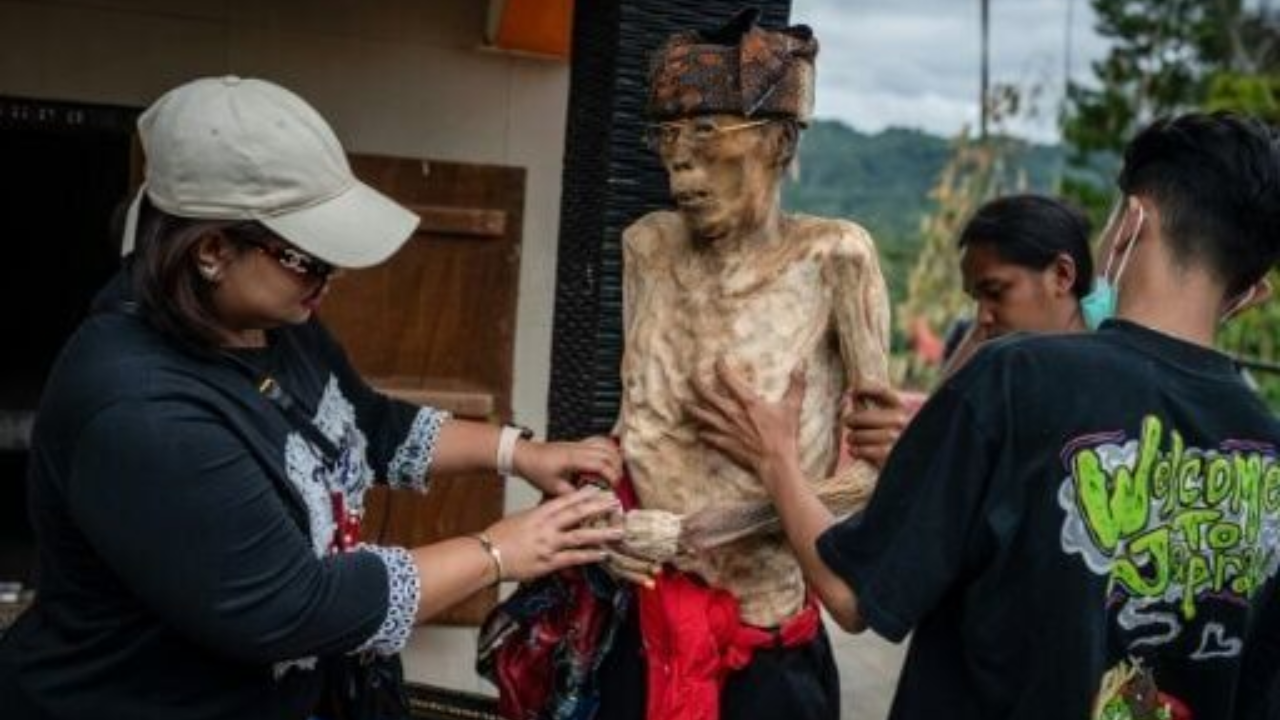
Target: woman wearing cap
[{"x": 203, "y": 445}]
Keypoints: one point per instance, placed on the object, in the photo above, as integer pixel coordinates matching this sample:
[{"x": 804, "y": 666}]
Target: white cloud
[{"x": 915, "y": 63}]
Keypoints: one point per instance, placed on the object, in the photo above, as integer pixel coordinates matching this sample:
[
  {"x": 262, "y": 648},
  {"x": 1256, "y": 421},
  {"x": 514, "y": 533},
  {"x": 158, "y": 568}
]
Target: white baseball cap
[{"x": 235, "y": 148}]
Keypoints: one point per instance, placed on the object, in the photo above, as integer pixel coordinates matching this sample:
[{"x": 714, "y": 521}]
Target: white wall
[{"x": 394, "y": 77}]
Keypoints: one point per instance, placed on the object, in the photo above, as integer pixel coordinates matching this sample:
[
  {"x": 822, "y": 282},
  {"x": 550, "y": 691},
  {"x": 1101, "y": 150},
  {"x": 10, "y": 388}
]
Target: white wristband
[{"x": 507, "y": 448}]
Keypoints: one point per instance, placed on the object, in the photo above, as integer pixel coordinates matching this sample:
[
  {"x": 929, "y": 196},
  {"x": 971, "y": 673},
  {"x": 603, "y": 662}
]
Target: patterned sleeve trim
[
  {"x": 402, "y": 601},
  {"x": 412, "y": 460}
]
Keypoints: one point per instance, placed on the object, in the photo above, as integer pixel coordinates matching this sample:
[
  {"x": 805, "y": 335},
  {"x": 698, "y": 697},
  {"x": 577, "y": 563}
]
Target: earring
[{"x": 210, "y": 273}]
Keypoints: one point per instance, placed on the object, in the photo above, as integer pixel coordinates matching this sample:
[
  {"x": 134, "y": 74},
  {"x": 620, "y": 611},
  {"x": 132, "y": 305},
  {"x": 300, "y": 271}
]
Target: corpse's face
[
  {"x": 722, "y": 170},
  {"x": 1013, "y": 298}
]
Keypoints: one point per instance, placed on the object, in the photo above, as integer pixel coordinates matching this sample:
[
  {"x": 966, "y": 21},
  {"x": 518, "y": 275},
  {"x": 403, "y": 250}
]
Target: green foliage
[
  {"x": 880, "y": 181},
  {"x": 883, "y": 182},
  {"x": 1253, "y": 94},
  {"x": 902, "y": 186}
]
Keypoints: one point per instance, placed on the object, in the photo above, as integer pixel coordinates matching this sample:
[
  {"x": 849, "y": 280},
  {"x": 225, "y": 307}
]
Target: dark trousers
[{"x": 797, "y": 683}]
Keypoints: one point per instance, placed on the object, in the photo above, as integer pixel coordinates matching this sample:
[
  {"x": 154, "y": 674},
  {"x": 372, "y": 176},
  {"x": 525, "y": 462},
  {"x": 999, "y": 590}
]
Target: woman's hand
[
  {"x": 552, "y": 467},
  {"x": 555, "y": 534},
  {"x": 875, "y": 417},
  {"x": 752, "y": 433}
]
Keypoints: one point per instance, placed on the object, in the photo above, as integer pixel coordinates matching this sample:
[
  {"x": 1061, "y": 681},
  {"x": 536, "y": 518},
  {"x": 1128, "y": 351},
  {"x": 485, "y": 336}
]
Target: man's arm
[
  {"x": 804, "y": 519},
  {"x": 878, "y": 567}
]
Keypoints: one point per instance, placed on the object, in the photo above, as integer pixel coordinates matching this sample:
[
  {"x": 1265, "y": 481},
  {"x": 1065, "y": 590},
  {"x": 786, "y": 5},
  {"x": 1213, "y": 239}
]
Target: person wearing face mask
[
  {"x": 1100, "y": 304},
  {"x": 1076, "y": 525},
  {"x": 203, "y": 446}
]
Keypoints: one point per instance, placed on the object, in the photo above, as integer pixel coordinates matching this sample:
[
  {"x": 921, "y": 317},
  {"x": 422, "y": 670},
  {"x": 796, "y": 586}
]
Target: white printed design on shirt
[
  {"x": 411, "y": 463},
  {"x": 402, "y": 602},
  {"x": 314, "y": 480}
]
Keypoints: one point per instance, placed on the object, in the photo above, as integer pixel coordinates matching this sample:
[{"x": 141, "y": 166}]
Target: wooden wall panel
[{"x": 436, "y": 324}]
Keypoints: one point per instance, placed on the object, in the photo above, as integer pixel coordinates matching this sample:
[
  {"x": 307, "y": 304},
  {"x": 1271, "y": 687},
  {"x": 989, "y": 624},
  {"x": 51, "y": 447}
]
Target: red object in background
[{"x": 925, "y": 342}]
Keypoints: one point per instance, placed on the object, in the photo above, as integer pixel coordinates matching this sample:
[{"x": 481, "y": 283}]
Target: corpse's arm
[
  {"x": 634, "y": 259},
  {"x": 861, "y": 316}
]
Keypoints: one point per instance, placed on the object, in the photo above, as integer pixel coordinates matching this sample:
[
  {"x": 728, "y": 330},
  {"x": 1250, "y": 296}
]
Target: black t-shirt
[
  {"x": 1064, "y": 507},
  {"x": 184, "y": 523}
]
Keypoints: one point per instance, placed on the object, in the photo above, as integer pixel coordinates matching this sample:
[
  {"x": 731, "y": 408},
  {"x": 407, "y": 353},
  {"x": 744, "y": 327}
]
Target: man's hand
[
  {"x": 875, "y": 417},
  {"x": 752, "y": 433}
]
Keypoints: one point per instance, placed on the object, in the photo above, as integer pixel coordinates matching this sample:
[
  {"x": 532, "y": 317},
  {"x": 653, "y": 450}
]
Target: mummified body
[{"x": 729, "y": 275}]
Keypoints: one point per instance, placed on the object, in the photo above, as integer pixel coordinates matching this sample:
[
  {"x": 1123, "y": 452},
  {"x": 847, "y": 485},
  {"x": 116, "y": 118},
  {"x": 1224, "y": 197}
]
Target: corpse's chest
[{"x": 682, "y": 320}]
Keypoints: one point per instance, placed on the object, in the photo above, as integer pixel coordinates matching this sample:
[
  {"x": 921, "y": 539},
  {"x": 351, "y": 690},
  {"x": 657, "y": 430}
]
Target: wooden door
[{"x": 436, "y": 325}]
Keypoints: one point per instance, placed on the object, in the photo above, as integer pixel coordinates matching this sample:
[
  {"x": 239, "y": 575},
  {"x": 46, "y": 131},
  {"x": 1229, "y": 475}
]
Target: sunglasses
[{"x": 294, "y": 260}]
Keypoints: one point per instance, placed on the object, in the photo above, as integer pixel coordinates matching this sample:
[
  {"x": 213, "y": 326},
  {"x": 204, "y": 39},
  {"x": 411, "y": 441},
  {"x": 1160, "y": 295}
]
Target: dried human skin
[{"x": 730, "y": 276}]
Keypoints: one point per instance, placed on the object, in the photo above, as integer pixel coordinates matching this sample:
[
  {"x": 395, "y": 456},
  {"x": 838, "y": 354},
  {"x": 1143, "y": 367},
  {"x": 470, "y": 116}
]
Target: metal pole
[
  {"x": 985, "y": 98},
  {"x": 1068, "y": 48}
]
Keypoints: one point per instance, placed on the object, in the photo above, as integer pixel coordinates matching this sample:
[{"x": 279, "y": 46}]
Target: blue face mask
[{"x": 1099, "y": 305}]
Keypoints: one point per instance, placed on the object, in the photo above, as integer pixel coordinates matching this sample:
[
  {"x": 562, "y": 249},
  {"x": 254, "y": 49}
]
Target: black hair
[
  {"x": 1031, "y": 231},
  {"x": 172, "y": 295},
  {"x": 1216, "y": 181}
]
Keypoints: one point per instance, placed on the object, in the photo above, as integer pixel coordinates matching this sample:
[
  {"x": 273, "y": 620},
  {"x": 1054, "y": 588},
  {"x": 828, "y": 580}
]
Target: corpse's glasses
[
  {"x": 701, "y": 131},
  {"x": 293, "y": 259}
]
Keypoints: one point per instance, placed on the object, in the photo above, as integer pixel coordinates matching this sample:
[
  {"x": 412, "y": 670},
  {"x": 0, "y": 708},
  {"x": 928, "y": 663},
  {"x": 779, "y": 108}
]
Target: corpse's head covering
[{"x": 740, "y": 69}]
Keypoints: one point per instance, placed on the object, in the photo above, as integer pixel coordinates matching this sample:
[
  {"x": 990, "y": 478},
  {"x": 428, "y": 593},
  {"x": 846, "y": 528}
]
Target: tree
[
  {"x": 1167, "y": 56},
  {"x": 1160, "y": 62}
]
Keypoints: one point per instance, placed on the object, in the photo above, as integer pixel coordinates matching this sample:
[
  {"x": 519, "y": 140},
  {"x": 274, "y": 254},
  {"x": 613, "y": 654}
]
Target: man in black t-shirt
[{"x": 1076, "y": 526}]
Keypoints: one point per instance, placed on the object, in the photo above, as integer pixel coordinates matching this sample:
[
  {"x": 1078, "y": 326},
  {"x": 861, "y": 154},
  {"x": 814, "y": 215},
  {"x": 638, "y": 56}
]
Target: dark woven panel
[
  {"x": 610, "y": 180},
  {"x": 18, "y": 113}
]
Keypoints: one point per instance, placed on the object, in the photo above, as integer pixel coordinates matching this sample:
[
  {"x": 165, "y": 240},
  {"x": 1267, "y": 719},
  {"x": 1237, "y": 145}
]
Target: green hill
[{"x": 882, "y": 181}]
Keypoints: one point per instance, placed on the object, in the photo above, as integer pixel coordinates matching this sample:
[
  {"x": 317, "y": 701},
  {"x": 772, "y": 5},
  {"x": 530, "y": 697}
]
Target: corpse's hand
[
  {"x": 753, "y": 433},
  {"x": 552, "y": 467}
]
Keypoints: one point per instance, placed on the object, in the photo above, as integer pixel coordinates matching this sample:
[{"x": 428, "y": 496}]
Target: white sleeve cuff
[
  {"x": 412, "y": 460},
  {"x": 403, "y": 594}
]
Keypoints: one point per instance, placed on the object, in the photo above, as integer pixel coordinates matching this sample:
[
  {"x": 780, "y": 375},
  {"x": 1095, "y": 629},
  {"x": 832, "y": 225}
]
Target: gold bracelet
[{"x": 495, "y": 555}]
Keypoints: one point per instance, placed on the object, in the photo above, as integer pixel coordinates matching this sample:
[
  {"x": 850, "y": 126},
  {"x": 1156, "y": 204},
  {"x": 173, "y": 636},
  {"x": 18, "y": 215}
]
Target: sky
[{"x": 915, "y": 63}]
